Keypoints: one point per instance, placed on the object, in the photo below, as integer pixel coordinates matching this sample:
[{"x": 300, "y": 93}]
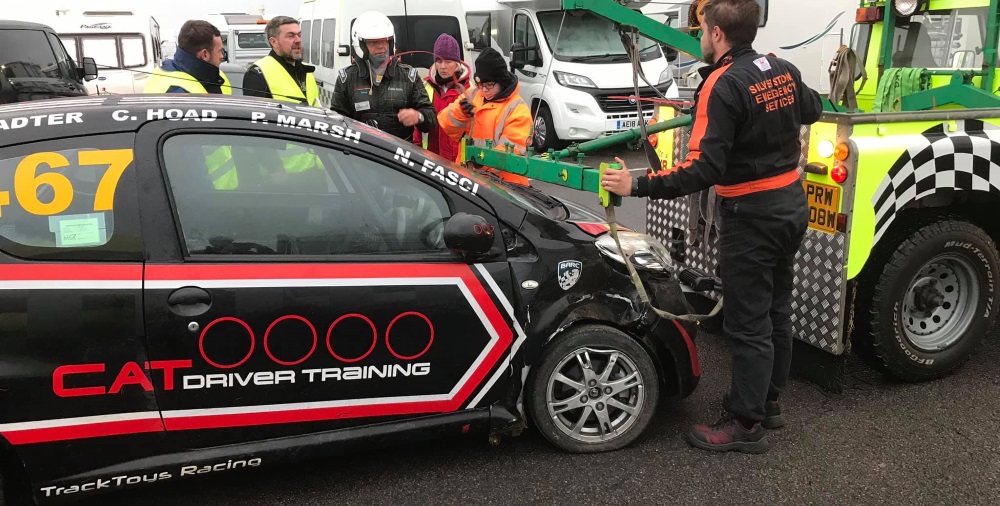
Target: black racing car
[{"x": 192, "y": 285}]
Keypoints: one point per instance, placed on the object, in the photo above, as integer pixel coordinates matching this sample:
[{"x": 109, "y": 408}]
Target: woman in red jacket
[{"x": 446, "y": 82}]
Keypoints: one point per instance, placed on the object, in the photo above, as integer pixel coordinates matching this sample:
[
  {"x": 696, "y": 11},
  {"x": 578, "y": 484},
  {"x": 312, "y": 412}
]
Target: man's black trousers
[{"x": 760, "y": 234}]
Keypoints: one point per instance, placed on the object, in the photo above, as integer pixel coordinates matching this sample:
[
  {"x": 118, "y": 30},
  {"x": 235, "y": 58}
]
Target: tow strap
[
  {"x": 631, "y": 49},
  {"x": 895, "y": 84},
  {"x": 842, "y": 76}
]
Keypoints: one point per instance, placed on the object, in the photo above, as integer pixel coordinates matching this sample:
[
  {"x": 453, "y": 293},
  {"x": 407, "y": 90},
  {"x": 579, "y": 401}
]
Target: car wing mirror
[
  {"x": 469, "y": 235},
  {"x": 89, "y": 69}
]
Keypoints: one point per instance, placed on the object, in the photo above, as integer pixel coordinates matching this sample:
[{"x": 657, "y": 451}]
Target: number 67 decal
[{"x": 27, "y": 180}]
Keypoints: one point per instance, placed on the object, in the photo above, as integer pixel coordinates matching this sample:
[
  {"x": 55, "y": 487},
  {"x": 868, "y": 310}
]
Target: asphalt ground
[{"x": 878, "y": 442}]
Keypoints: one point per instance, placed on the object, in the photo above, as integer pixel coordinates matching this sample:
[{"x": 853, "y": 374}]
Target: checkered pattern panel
[
  {"x": 326, "y": 96},
  {"x": 817, "y": 307},
  {"x": 966, "y": 159}
]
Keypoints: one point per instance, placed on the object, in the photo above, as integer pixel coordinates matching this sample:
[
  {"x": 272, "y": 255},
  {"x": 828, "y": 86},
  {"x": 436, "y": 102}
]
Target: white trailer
[
  {"x": 326, "y": 33},
  {"x": 573, "y": 68}
]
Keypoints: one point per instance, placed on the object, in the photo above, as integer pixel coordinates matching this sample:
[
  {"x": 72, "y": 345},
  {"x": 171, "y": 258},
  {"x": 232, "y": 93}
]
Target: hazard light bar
[{"x": 870, "y": 15}]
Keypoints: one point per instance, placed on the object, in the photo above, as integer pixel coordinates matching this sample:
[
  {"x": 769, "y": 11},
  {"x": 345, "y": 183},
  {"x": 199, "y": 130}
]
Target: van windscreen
[
  {"x": 252, "y": 40},
  {"x": 27, "y": 54},
  {"x": 587, "y": 37}
]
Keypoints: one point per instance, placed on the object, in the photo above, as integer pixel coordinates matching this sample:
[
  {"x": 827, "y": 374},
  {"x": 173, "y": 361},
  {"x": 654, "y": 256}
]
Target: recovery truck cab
[{"x": 900, "y": 262}]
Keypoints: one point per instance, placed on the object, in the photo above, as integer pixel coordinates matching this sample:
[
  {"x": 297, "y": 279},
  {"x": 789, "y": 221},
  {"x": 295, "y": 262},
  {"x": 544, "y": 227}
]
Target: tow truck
[{"x": 900, "y": 263}]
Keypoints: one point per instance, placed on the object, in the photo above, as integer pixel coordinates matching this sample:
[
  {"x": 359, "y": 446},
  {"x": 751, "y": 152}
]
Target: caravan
[
  {"x": 125, "y": 44},
  {"x": 573, "y": 68},
  {"x": 326, "y": 33},
  {"x": 808, "y": 38}
]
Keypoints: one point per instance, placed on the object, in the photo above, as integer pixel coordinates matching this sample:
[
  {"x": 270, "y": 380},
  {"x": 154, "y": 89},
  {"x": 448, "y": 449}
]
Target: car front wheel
[{"x": 595, "y": 390}]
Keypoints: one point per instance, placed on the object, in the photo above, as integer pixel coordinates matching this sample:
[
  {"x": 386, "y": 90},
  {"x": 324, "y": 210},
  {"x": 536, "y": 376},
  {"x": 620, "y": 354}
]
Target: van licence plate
[
  {"x": 824, "y": 202},
  {"x": 622, "y": 124}
]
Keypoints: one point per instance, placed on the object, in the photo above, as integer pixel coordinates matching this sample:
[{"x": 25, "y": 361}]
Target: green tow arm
[{"x": 572, "y": 173}]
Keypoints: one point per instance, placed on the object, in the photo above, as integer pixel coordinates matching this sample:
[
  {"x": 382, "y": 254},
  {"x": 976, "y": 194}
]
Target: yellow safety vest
[
  {"x": 283, "y": 87},
  {"x": 163, "y": 80},
  {"x": 222, "y": 168}
]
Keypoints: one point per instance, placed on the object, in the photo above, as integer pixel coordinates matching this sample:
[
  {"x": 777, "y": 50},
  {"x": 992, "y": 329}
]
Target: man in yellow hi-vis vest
[
  {"x": 281, "y": 75},
  {"x": 195, "y": 69}
]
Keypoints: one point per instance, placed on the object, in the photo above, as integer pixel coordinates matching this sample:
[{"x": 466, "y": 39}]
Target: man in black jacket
[
  {"x": 378, "y": 89},
  {"x": 281, "y": 75},
  {"x": 745, "y": 141}
]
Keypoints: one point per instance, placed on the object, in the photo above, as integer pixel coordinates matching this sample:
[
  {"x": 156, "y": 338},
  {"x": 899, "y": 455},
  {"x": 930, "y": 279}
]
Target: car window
[
  {"x": 69, "y": 199},
  {"x": 329, "y": 42},
  {"x": 266, "y": 196},
  {"x": 64, "y": 60},
  {"x": 316, "y": 44},
  {"x": 306, "y": 32},
  {"x": 479, "y": 29},
  {"x": 27, "y": 54}
]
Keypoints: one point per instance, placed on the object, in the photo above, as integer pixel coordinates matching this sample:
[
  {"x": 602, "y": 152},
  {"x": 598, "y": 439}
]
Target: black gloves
[{"x": 466, "y": 106}]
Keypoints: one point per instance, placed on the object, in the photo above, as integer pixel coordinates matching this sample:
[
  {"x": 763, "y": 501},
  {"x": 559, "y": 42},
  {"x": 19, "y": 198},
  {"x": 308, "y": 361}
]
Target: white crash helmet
[{"x": 372, "y": 25}]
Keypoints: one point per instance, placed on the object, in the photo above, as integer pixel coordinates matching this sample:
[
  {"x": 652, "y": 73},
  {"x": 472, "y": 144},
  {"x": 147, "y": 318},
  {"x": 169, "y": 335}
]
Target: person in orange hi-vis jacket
[{"x": 493, "y": 110}]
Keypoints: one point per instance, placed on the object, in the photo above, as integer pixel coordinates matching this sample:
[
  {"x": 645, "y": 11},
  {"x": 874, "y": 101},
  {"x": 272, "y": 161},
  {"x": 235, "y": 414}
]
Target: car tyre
[
  {"x": 543, "y": 136},
  {"x": 931, "y": 302},
  {"x": 595, "y": 390}
]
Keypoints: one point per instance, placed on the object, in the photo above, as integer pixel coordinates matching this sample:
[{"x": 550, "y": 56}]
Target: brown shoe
[{"x": 728, "y": 435}]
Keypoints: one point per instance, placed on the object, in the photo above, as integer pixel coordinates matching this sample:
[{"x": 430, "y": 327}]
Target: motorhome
[
  {"x": 243, "y": 37},
  {"x": 572, "y": 66},
  {"x": 326, "y": 33},
  {"x": 125, "y": 44},
  {"x": 808, "y": 38}
]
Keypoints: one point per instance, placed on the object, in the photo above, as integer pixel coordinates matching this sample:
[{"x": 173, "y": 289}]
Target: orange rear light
[
  {"x": 869, "y": 14},
  {"x": 842, "y": 151}
]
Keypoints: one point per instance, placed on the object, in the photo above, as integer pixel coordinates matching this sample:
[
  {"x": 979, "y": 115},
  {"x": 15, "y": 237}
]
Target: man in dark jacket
[
  {"x": 745, "y": 142},
  {"x": 281, "y": 75},
  {"x": 195, "y": 66},
  {"x": 378, "y": 89}
]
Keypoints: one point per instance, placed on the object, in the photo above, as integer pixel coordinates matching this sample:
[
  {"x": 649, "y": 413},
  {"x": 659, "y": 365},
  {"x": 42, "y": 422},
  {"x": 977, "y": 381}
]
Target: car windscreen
[
  {"x": 252, "y": 40},
  {"x": 587, "y": 37},
  {"x": 28, "y": 54}
]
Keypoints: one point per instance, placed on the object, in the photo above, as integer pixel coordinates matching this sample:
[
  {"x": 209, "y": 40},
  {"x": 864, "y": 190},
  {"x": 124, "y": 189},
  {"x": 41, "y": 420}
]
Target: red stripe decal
[
  {"x": 194, "y": 272},
  {"x": 71, "y": 272},
  {"x": 98, "y": 429},
  {"x": 692, "y": 350}
]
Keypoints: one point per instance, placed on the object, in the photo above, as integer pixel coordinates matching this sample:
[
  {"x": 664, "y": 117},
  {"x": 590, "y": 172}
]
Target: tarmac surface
[{"x": 878, "y": 442}]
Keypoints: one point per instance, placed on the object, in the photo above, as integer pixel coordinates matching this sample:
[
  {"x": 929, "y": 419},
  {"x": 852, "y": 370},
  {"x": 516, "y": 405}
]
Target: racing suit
[
  {"x": 749, "y": 110},
  {"x": 356, "y": 96}
]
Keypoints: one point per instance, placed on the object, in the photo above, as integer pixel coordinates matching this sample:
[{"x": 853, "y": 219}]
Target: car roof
[
  {"x": 6, "y": 24},
  {"x": 42, "y": 120}
]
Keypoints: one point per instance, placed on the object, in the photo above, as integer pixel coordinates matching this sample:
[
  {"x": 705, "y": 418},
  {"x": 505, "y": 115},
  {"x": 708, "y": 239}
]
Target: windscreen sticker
[{"x": 75, "y": 230}]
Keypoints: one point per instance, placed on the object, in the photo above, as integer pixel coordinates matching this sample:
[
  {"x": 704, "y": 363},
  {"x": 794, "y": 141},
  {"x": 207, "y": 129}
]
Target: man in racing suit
[
  {"x": 745, "y": 142},
  {"x": 378, "y": 89}
]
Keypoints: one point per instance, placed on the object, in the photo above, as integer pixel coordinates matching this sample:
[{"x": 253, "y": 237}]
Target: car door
[
  {"x": 76, "y": 390},
  {"x": 309, "y": 300}
]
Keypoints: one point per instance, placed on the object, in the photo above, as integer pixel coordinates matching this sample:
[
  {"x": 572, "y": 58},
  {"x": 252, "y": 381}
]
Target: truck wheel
[
  {"x": 595, "y": 390},
  {"x": 544, "y": 138},
  {"x": 932, "y": 301}
]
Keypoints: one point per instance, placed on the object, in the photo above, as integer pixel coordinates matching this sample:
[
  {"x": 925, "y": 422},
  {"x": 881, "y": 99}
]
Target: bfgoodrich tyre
[
  {"x": 595, "y": 390},
  {"x": 933, "y": 300}
]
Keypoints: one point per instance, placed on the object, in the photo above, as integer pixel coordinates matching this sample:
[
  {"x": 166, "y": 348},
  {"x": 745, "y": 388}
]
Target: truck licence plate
[
  {"x": 622, "y": 124},
  {"x": 824, "y": 202}
]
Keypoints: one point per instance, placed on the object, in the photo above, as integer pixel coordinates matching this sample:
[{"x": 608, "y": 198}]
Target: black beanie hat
[{"x": 491, "y": 68}]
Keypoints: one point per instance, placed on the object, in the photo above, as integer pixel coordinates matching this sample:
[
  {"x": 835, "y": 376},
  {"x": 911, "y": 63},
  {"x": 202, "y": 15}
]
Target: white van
[
  {"x": 571, "y": 84},
  {"x": 243, "y": 37},
  {"x": 125, "y": 45},
  {"x": 806, "y": 37},
  {"x": 326, "y": 33}
]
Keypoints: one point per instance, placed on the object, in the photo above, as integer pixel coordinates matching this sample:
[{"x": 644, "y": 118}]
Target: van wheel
[
  {"x": 543, "y": 137},
  {"x": 932, "y": 301},
  {"x": 595, "y": 390}
]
